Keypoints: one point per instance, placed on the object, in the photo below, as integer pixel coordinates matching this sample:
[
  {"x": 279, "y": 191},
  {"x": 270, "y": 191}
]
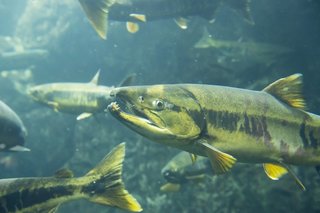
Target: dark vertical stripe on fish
[
  {"x": 224, "y": 119},
  {"x": 303, "y": 135},
  {"x": 313, "y": 140}
]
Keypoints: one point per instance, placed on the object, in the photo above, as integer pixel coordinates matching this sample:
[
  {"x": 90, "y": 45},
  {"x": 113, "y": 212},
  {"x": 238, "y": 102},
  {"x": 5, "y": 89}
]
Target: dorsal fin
[
  {"x": 128, "y": 80},
  {"x": 95, "y": 78},
  {"x": 63, "y": 173},
  {"x": 288, "y": 90}
]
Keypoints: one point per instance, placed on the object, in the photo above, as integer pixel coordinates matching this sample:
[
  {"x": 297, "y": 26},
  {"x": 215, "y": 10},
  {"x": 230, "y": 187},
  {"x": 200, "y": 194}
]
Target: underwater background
[{"x": 160, "y": 52}]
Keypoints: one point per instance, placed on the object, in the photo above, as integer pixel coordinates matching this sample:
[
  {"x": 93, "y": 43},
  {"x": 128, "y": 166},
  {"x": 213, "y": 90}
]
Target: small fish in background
[
  {"x": 83, "y": 99},
  {"x": 99, "y": 12},
  {"x": 227, "y": 124},
  {"x": 12, "y": 130},
  {"x": 181, "y": 170},
  {"x": 102, "y": 185},
  {"x": 237, "y": 51}
]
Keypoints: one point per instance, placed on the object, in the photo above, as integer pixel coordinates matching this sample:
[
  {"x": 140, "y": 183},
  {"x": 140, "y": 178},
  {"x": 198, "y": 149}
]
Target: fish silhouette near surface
[
  {"x": 227, "y": 124},
  {"x": 102, "y": 185},
  {"x": 135, "y": 11},
  {"x": 12, "y": 130}
]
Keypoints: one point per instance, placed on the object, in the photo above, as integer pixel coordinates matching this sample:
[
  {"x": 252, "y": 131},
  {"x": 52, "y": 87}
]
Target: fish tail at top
[
  {"x": 106, "y": 186},
  {"x": 97, "y": 12}
]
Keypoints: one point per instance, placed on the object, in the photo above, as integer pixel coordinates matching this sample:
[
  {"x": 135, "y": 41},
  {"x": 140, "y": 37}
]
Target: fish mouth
[{"x": 139, "y": 120}]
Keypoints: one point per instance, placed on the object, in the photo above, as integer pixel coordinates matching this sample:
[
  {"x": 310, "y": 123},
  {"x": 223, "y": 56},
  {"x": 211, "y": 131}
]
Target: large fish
[
  {"x": 100, "y": 11},
  {"x": 227, "y": 124},
  {"x": 181, "y": 169},
  {"x": 12, "y": 130},
  {"x": 84, "y": 99},
  {"x": 102, "y": 185}
]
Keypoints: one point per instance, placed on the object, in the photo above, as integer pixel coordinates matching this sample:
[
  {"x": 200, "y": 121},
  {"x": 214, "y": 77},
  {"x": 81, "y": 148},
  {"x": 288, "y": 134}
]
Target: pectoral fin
[
  {"x": 84, "y": 116},
  {"x": 221, "y": 162},
  {"x": 170, "y": 187},
  {"x": 181, "y": 22},
  {"x": 193, "y": 158},
  {"x": 276, "y": 171},
  {"x": 54, "y": 105}
]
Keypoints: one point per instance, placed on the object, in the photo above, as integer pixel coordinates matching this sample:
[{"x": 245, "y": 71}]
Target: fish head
[
  {"x": 160, "y": 112},
  {"x": 174, "y": 170},
  {"x": 42, "y": 93}
]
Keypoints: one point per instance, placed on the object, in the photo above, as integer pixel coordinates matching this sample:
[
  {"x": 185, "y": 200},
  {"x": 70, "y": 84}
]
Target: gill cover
[{"x": 173, "y": 109}]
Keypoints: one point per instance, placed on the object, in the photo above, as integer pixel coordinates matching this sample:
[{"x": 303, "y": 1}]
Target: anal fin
[
  {"x": 276, "y": 171},
  {"x": 221, "y": 162},
  {"x": 132, "y": 27}
]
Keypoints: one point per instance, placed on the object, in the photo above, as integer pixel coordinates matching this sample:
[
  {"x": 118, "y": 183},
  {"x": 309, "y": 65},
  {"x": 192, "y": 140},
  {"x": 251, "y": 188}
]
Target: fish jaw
[
  {"x": 171, "y": 113},
  {"x": 140, "y": 125}
]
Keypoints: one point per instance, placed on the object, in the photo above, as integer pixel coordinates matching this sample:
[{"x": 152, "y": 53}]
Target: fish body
[
  {"x": 100, "y": 11},
  {"x": 12, "y": 130},
  {"x": 227, "y": 124},
  {"x": 84, "y": 99},
  {"x": 243, "y": 50},
  {"x": 102, "y": 185},
  {"x": 22, "y": 59},
  {"x": 181, "y": 170}
]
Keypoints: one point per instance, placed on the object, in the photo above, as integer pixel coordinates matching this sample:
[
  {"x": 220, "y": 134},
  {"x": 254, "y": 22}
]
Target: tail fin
[
  {"x": 97, "y": 12},
  {"x": 107, "y": 187}
]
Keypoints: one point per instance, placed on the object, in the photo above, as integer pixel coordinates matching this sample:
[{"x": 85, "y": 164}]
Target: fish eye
[
  {"x": 141, "y": 99},
  {"x": 173, "y": 177},
  {"x": 159, "y": 104}
]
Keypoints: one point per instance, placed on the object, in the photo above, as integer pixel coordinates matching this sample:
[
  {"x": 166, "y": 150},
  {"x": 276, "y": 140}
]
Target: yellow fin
[
  {"x": 170, "y": 187},
  {"x": 221, "y": 162},
  {"x": 63, "y": 173},
  {"x": 84, "y": 116},
  {"x": 182, "y": 23},
  {"x": 140, "y": 17},
  {"x": 288, "y": 90},
  {"x": 274, "y": 171},
  {"x": 193, "y": 158},
  {"x": 111, "y": 190},
  {"x": 95, "y": 78},
  {"x": 97, "y": 13},
  {"x": 132, "y": 27}
]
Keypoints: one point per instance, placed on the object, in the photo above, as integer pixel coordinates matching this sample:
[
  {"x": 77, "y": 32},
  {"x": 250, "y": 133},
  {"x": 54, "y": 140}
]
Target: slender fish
[{"x": 102, "y": 185}]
